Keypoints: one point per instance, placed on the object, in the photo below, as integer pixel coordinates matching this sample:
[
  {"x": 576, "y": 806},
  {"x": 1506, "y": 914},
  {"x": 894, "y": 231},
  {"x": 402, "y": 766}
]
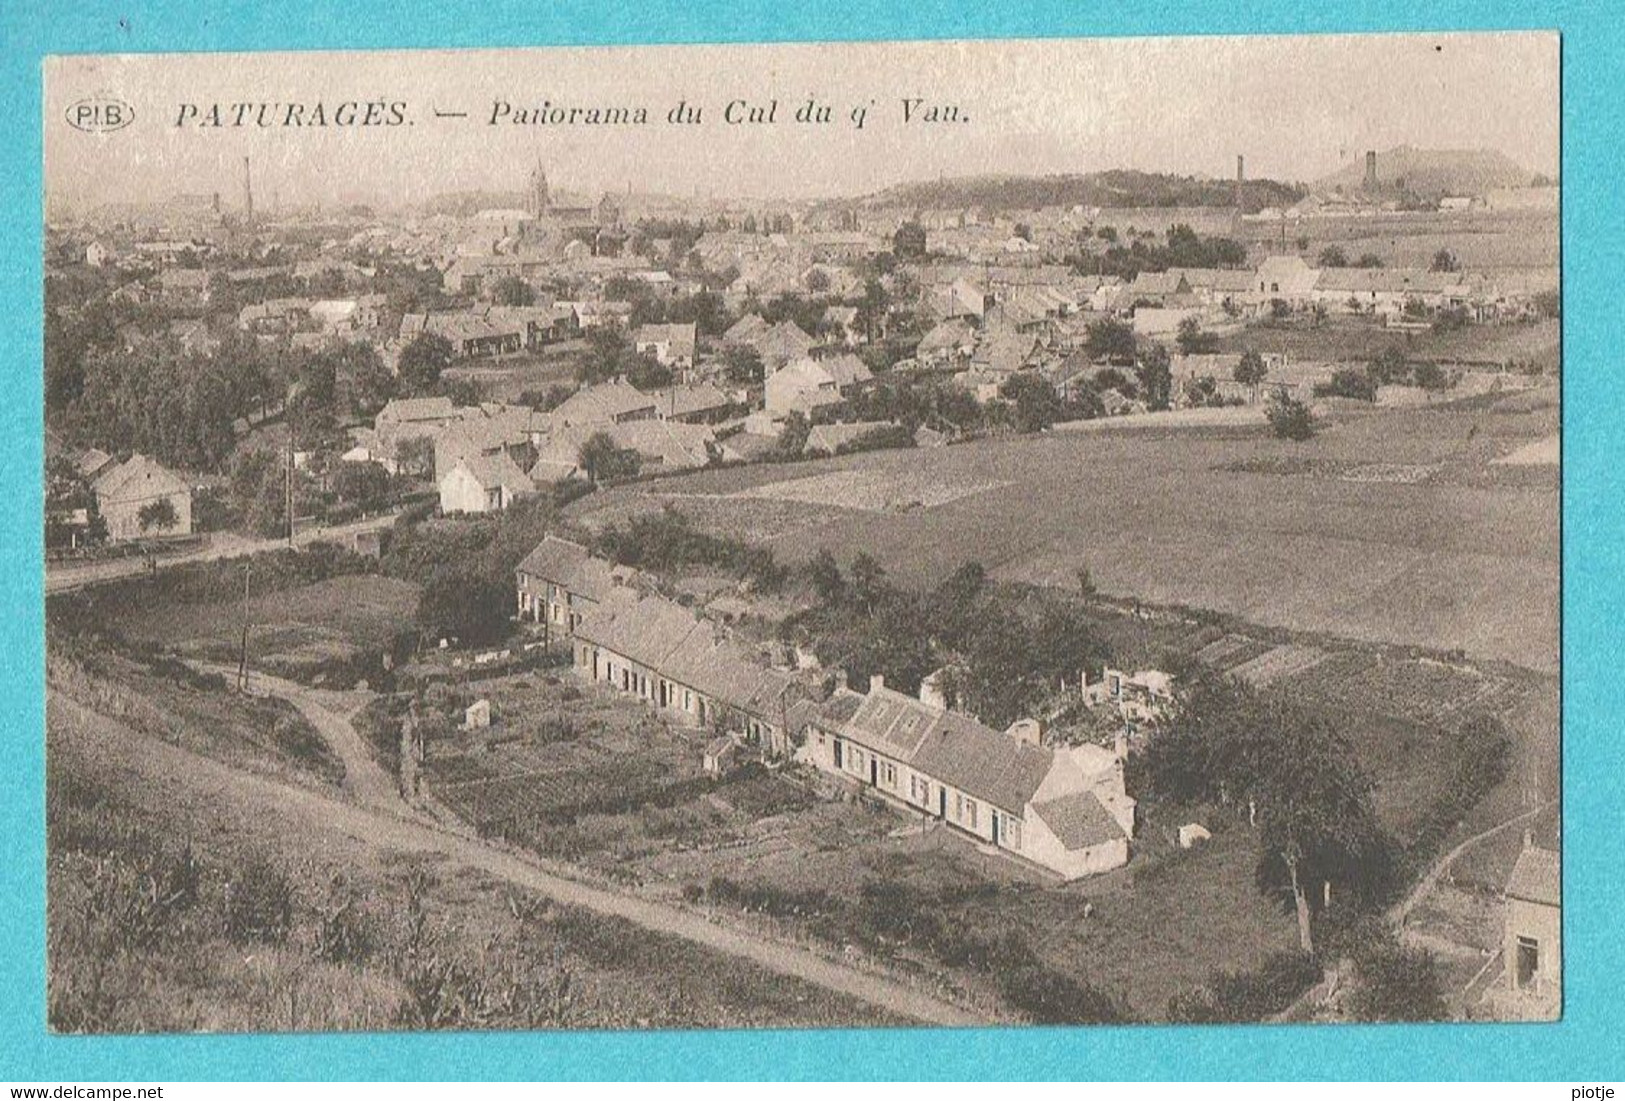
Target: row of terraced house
[{"x": 1063, "y": 808}]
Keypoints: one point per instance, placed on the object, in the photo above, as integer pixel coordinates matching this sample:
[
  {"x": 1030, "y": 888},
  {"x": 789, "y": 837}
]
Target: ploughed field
[{"x": 1392, "y": 526}]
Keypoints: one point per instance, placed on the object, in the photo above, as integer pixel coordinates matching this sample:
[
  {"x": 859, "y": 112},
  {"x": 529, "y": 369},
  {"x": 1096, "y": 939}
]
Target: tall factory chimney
[
  {"x": 1241, "y": 177},
  {"x": 1371, "y": 169},
  {"x": 248, "y": 193}
]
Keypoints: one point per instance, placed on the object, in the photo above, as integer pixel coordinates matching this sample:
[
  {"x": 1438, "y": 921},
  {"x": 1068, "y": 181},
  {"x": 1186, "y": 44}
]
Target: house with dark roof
[
  {"x": 1064, "y": 809},
  {"x": 685, "y": 667},
  {"x": 560, "y": 582}
]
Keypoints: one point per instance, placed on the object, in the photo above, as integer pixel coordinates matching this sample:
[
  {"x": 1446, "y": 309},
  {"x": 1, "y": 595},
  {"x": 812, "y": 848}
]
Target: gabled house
[
  {"x": 1063, "y": 809},
  {"x": 483, "y": 483},
  {"x": 802, "y": 385},
  {"x": 1532, "y": 944},
  {"x": 672, "y": 345},
  {"x": 613, "y": 402},
  {"x": 123, "y": 490},
  {"x": 685, "y": 667},
  {"x": 559, "y": 582},
  {"x": 700, "y": 403},
  {"x": 948, "y": 344}
]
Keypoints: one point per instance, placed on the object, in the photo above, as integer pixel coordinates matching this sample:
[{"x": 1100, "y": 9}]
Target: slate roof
[
  {"x": 669, "y": 639},
  {"x": 572, "y": 566},
  {"x": 1537, "y": 877},
  {"x": 603, "y": 404},
  {"x": 951, "y": 748},
  {"x": 138, "y": 479},
  {"x": 1079, "y": 820},
  {"x": 497, "y": 469}
]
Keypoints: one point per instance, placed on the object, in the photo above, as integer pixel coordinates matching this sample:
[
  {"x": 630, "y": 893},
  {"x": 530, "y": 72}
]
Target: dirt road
[
  {"x": 328, "y": 711},
  {"x": 301, "y": 811},
  {"x": 61, "y": 577}
]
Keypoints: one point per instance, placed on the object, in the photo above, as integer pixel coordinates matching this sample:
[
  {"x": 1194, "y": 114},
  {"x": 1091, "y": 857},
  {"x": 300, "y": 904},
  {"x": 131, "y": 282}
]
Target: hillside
[
  {"x": 1431, "y": 173},
  {"x": 1114, "y": 188}
]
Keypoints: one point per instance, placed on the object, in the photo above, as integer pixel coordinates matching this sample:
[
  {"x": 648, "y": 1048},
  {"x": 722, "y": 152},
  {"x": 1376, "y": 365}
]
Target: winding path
[{"x": 379, "y": 816}]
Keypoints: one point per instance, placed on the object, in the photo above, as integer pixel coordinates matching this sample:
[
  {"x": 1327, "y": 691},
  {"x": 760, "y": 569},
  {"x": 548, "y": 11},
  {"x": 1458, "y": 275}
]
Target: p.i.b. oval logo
[{"x": 101, "y": 113}]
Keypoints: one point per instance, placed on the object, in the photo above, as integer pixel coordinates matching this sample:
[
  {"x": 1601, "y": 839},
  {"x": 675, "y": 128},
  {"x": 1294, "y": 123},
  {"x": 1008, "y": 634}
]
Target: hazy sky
[{"x": 1297, "y": 107}]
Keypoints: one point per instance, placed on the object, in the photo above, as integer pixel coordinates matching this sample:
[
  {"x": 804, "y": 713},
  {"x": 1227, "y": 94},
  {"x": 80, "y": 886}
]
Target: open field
[
  {"x": 1482, "y": 240},
  {"x": 299, "y": 631},
  {"x": 1300, "y": 536},
  {"x": 1341, "y": 339}
]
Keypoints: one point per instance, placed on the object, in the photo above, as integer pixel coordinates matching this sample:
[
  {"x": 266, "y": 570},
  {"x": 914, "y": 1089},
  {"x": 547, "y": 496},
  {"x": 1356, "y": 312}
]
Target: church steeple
[{"x": 539, "y": 198}]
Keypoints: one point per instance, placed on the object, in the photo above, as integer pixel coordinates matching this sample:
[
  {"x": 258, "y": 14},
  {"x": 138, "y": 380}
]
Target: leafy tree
[
  {"x": 909, "y": 242},
  {"x": 1429, "y": 376},
  {"x": 1444, "y": 260},
  {"x": 258, "y": 493},
  {"x": 1395, "y": 983},
  {"x": 1368, "y": 260},
  {"x": 1156, "y": 377},
  {"x": 817, "y": 281},
  {"x": 742, "y": 364},
  {"x": 1290, "y": 419},
  {"x": 465, "y": 605},
  {"x": 422, "y": 363},
  {"x": 604, "y": 461},
  {"x": 647, "y": 373},
  {"x": 511, "y": 290},
  {"x": 1250, "y": 371},
  {"x": 362, "y": 484},
  {"x": 415, "y": 456},
  {"x": 1349, "y": 382},
  {"x": 1389, "y": 367},
  {"x": 825, "y": 574},
  {"x": 159, "y": 514},
  {"x": 792, "y": 440},
  {"x": 867, "y": 578},
  {"x": 1110, "y": 340},
  {"x": 1192, "y": 339},
  {"x": 1037, "y": 406},
  {"x": 1314, "y": 808},
  {"x": 1333, "y": 257}
]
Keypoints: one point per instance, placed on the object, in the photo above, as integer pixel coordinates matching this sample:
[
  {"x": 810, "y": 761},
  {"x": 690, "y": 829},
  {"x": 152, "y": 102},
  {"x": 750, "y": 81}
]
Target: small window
[{"x": 1527, "y": 975}]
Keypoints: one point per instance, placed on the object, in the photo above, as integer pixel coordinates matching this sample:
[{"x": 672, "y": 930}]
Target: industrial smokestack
[
  {"x": 1371, "y": 168},
  {"x": 248, "y": 193},
  {"x": 1241, "y": 168}
]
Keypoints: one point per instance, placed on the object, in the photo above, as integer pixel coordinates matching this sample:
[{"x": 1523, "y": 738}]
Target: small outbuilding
[{"x": 477, "y": 716}]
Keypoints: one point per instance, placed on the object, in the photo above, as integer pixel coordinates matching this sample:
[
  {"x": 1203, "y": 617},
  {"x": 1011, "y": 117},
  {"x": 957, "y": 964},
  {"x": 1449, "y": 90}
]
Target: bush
[
  {"x": 1241, "y": 996},
  {"x": 259, "y": 905},
  {"x": 1349, "y": 383},
  {"x": 1290, "y": 420},
  {"x": 1051, "y": 998}
]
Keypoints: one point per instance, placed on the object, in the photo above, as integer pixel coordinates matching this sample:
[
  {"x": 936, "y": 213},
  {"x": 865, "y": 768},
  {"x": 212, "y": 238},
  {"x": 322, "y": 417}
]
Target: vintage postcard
[{"x": 950, "y": 533}]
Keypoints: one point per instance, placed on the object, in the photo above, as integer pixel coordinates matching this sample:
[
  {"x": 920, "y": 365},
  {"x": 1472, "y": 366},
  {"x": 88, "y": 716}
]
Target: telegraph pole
[{"x": 242, "y": 659}]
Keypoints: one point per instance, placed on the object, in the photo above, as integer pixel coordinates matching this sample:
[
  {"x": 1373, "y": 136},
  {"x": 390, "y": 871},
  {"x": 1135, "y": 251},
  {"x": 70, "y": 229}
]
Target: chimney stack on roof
[
  {"x": 1371, "y": 168},
  {"x": 876, "y": 682}
]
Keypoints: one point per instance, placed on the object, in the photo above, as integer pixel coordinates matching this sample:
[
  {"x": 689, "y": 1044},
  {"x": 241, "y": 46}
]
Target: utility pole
[
  {"x": 242, "y": 659},
  {"x": 288, "y": 482}
]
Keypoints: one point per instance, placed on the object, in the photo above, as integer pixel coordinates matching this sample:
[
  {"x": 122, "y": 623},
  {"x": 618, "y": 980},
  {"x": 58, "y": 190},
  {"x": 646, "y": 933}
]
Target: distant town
[{"x": 1110, "y": 597}]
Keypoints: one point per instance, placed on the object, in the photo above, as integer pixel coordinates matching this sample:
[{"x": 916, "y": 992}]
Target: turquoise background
[{"x": 1583, "y": 1046}]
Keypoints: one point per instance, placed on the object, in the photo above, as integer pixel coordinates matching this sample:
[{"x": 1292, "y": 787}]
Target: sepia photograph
[{"x": 869, "y": 534}]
